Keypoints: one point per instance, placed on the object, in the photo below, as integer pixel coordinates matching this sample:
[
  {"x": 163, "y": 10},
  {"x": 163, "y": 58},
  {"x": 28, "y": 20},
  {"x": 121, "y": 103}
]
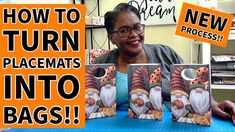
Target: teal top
[{"x": 122, "y": 91}]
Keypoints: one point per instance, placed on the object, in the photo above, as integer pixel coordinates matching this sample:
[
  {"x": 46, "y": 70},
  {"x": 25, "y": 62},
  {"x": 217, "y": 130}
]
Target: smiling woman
[{"x": 127, "y": 33}]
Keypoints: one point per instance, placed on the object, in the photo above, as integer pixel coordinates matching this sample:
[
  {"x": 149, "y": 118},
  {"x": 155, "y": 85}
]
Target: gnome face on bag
[
  {"x": 179, "y": 100},
  {"x": 155, "y": 97},
  {"x": 91, "y": 99},
  {"x": 199, "y": 96},
  {"x": 200, "y": 100},
  {"x": 92, "y": 92},
  {"x": 108, "y": 95},
  {"x": 138, "y": 92},
  {"x": 139, "y": 99},
  {"x": 179, "y": 95},
  {"x": 108, "y": 88}
]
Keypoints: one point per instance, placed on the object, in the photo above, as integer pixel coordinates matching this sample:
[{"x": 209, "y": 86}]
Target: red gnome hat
[
  {"x": 177, "y": 82},
  {"x": 138, "y": 84},
  {"x": 90, "y": 82}
]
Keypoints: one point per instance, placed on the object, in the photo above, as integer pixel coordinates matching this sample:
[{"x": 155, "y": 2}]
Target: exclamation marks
[
  {"x": 67, "y": 120},
  {"x": 67, "y": 115},
  {"x": 220, "y": 38},
  {"x": 76, "y": 120}
]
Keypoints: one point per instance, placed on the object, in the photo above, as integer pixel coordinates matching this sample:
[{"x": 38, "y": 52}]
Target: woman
[{"x": 127, "y": 33}]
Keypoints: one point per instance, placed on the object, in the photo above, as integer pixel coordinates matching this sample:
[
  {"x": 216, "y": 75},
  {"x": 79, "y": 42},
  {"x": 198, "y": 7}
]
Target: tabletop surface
[{"x": 121, "y": 122}]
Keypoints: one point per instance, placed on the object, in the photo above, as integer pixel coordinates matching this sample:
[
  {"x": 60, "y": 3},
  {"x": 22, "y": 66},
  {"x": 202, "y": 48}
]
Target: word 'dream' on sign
[{"x": 204, "y": 24}]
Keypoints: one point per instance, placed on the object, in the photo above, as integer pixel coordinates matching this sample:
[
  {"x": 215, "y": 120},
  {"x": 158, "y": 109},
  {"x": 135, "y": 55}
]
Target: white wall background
[
  {"x": 41, "y": 1},
  {"x": 164, "y": 34},
  {"x": 5, "y": 1}
]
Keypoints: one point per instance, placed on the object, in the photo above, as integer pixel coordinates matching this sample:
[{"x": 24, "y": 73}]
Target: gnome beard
[
  {"x": 91, "y": 106},
  {"x": 139, "y": 109},
  {"x": 179, "y": 112},
  {"x": 108, "y": 95},
  {"x": 200, "y": 100},
  {"x": 156, "y": 98}
]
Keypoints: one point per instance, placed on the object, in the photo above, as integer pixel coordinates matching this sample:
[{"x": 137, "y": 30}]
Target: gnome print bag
[
  {"x": 145, "y": 91},
  {"x": 190, "y": 94},
  {"x": 100, "y": 94}
]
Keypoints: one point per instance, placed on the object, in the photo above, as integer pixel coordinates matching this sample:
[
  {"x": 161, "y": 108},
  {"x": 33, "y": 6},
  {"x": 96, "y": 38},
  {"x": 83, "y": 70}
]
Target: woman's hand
[{"x": 224, "y": 109}]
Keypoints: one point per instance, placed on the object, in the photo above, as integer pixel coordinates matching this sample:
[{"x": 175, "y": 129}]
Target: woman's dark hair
[{"x": 110, "y": 16}]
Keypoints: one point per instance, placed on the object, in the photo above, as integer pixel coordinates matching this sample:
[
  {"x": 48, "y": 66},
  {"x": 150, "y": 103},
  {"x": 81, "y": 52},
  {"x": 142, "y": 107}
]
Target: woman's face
[{"x": 131, "y": 44}]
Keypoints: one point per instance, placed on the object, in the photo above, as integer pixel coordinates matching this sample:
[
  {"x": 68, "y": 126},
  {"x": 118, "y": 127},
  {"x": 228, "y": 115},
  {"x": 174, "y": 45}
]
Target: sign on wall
[{"x": 156, "y": 12}]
